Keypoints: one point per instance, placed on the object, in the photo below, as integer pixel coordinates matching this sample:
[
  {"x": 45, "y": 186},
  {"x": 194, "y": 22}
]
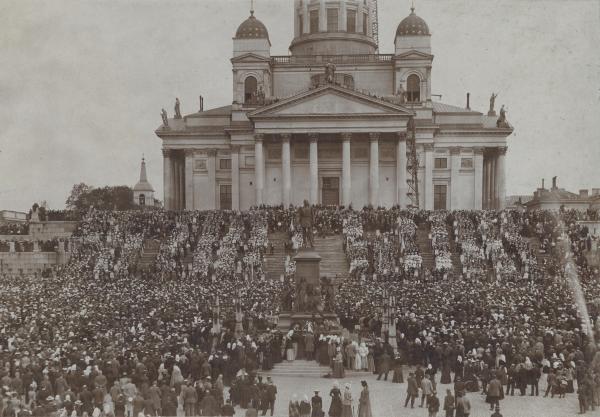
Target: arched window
[
  {"x": 142, "y": 199},
  {"x": 250, "y": 89},
  {"x": 413, "y": 88}
]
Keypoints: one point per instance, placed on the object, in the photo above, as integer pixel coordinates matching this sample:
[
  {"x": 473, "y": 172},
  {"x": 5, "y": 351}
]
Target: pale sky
[{"x": 82, "y": 82}]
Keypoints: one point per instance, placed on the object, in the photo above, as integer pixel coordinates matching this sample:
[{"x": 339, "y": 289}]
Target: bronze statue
[
  {"x": 301, "y": 292},
  {"x": 165, "y": 118},
  {"x": 305, "y": 218},
  {"x": 177, "y": 109},
  {"x": 330, "y": 73}
]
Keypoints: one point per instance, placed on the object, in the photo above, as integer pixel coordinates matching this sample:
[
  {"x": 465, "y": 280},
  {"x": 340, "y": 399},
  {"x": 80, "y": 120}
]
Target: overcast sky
[{"x": 82, "y": 82}]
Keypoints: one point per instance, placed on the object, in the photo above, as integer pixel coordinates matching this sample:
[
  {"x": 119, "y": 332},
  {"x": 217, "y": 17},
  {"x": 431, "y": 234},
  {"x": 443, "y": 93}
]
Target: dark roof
[
  {"x": 218, "y": 111},
  {"x": 252, "y": 28},
  {"x": 448, "y": 108},
  {"x": 412, "y": 25}
]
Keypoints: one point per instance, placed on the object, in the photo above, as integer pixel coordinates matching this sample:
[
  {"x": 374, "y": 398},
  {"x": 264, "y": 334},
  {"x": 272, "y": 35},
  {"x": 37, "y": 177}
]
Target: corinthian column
[
  {"x": 211, "y": 166},
  {"x": 501, "y": 177},
  {"x": 346, "y": 170},
  {"x": 189, "y": 179},
  {"x": 235, "y": 177},
  {"x": 374, "y": 170},
  {"x": 167, "y": 179},
  {"x": 314, "y": 168},
  {"x": 259, "y": 168},
  {"x": 454, "y": 172},
  {"x": 478, "y": 179},
  {"x": 428, "y": 183},
  {"x": 401, "y": 185},
  {"x": 286, "y": 168}
]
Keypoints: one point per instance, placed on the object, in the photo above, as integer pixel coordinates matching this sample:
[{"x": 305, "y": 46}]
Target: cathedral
[{"x": 334, "y": 122}]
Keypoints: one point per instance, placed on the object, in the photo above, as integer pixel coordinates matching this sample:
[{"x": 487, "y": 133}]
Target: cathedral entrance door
[{"x": 330, "y": 193}]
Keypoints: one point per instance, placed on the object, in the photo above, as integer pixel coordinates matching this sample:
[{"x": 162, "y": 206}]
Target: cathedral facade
[{"x": 335, "y": 123}]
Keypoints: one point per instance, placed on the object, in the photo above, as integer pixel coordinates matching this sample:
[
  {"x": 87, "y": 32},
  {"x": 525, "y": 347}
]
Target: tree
[
  {"x": 106, "y": 198},
  {"x": 76, "y": 192}
]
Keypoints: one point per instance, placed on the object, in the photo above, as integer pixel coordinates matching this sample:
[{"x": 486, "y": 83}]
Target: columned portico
[
  {"x": 374, "y": 170},
  {"x": 286, "y": 168},
  {"x": 314, "y": 168},
  {"x": 346, "y": 169}
]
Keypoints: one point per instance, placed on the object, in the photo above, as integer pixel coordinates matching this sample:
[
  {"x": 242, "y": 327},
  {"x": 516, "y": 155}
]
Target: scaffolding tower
[
  {"x": 412, "y": 164},
  {"x": 375, "y": 22}
]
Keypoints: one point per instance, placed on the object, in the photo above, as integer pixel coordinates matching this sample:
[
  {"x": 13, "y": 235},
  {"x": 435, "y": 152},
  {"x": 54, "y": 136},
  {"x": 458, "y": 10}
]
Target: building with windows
[
  {"x": 335, "y": 122},
  {"x": 143, "y": 192}
]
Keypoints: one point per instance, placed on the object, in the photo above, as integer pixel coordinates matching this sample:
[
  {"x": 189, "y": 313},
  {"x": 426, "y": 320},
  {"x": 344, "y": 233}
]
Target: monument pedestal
[{"x": 308, "y": 303}]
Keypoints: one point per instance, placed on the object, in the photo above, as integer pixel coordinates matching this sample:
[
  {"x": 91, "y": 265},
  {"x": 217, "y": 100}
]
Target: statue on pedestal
[
  {"x": 305, "y": 218},
  {"x": 502, "y": 122},
  {"x": 35, "y": 214},
  {"x": 165, "y": 118},
  {"x": 177, "y": 109}
]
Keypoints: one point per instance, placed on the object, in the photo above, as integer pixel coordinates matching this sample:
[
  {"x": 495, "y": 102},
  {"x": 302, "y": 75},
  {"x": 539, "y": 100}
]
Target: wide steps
[
  {"x": 305, "y": 369},
  {"x": 275, "y": 262},
  {"x": 333, "y": 259}
]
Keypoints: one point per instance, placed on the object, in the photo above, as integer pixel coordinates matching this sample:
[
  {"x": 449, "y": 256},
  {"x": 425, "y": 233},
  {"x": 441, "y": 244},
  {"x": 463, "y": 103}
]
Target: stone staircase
[
  {"x": 305, "y": 369},
  {"x": 148, "y": 253},
  {"x": 275, "y": 263},
  {"x": 425, "y": 247},
  {"x": 333, "y": 258}
]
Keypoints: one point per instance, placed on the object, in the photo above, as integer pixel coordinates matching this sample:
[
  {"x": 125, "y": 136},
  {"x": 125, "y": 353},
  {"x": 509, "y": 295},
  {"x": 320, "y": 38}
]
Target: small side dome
[
  {"x": 252, "y": 28},
  {"x": 412, "y": 25}
]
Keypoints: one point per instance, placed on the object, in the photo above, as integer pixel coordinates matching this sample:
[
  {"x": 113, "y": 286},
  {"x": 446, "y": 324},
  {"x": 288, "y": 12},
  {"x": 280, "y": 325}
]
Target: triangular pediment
[
  {"x": 414, "y": 54},
  {"x": 249, "y": 57},
  {"x": 333, "y": 101}
]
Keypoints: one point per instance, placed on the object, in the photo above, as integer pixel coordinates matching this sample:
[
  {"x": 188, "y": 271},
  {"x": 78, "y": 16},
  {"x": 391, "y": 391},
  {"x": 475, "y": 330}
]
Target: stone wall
[{"x": 45, "y": 231}]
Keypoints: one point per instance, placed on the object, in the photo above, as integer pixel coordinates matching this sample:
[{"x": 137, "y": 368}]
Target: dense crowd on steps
[{"x": 101, "y": 331}]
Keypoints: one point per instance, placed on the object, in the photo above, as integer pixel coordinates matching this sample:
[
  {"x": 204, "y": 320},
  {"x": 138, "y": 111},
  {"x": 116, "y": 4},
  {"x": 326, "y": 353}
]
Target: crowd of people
[{"x": 106, "y": 334}]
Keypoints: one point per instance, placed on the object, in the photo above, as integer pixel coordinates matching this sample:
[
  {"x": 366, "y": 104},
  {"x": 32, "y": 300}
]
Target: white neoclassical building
[{"x": 334, "y": 122}]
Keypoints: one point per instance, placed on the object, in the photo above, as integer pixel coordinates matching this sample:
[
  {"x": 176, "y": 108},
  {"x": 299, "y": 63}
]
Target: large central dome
[{"x": 335, "y": 27}]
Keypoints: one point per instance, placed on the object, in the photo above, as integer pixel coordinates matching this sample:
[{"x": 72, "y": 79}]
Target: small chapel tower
[{"x": 143, "y": 193}]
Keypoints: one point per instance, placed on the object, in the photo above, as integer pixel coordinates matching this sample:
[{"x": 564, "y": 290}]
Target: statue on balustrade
[
  {"x": 492, "y": 112},
  {"x": 305, "y": 219},
  {"x": 401, "y": 93},
  {"x": 330, "y": 73},
  {"x": 177, "y": 109},
  {"x": 165, "y": 118}
]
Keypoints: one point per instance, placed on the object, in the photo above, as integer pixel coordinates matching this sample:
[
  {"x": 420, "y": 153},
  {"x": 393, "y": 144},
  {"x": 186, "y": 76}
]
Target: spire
[
  {"x": 143, "y": 177},
  {"x": 412, "y": 7},
  {"x": 251, "y": 7}
]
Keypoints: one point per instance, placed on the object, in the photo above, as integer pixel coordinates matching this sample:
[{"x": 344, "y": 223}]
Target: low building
[{"x": 556, "y": 198}]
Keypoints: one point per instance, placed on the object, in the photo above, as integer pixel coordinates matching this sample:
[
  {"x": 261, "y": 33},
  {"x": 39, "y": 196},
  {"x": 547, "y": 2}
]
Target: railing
[{"x": 335, "y": 59}]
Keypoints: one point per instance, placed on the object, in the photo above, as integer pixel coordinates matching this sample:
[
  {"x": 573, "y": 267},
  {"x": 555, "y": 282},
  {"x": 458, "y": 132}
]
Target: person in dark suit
[
  {"x": 271, "y": 394},
  {"x": 316, "y": 403},
  {"x": 412, "y": 390}
]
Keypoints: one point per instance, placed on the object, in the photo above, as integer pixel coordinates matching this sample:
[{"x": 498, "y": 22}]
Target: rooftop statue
[
  {"x": 330, "y": 73},
  {"x": 165, "y": 118},
  {"x": 502, "y": 122},
  {"x": 492, "y": 112},
  {"x": 177, "y": 109}
]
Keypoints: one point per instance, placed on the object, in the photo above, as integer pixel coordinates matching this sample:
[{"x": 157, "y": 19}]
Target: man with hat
[
  {"x": 412, "y": 390},
  {"x": 317, "y": 405},
  {"x": 271, "y": 395}
]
